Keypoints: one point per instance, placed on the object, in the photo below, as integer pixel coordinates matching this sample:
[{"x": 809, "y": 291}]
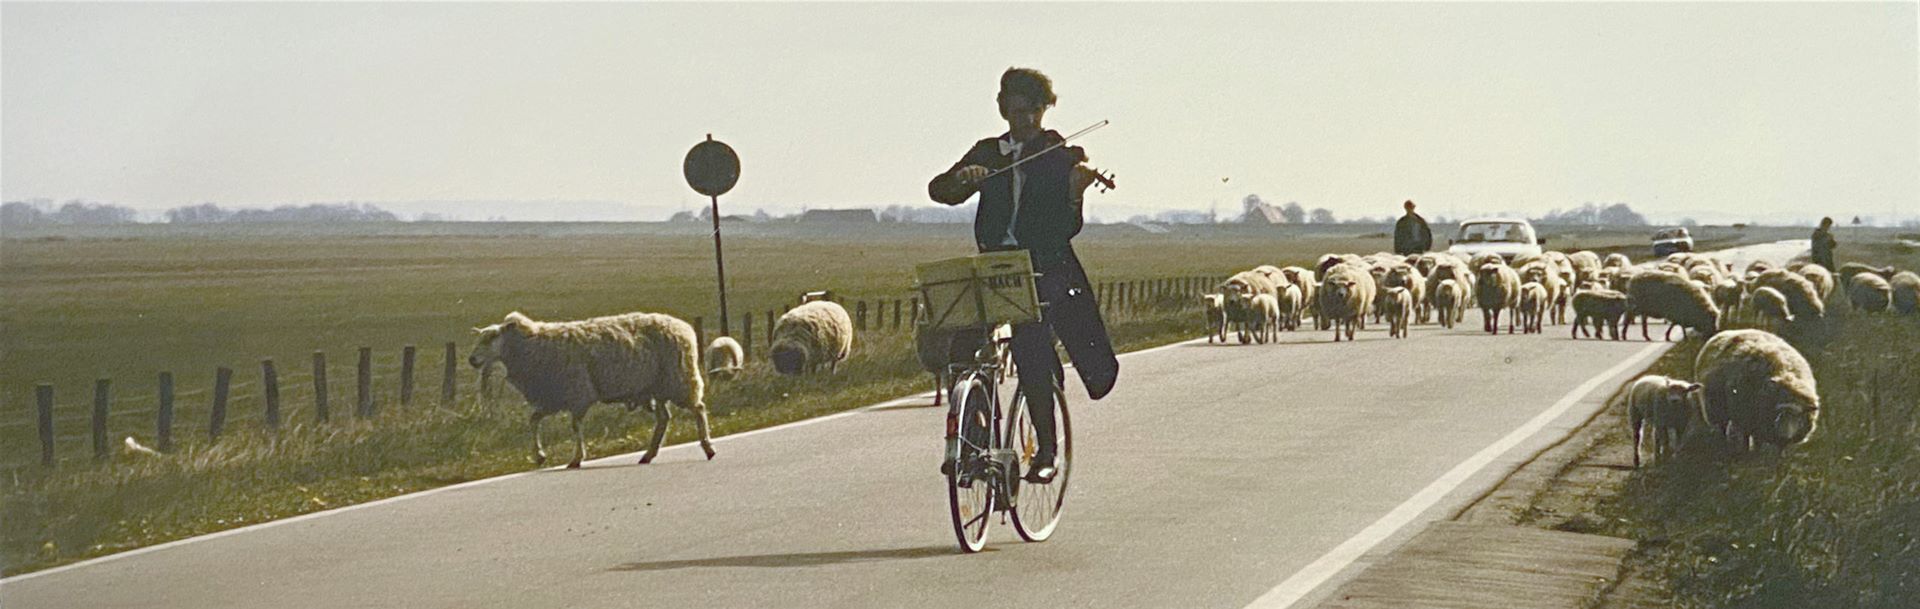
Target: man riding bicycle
[{"x": 1036, "y": 206}]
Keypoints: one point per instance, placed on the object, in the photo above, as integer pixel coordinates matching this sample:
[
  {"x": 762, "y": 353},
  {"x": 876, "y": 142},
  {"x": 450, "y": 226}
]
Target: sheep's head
[
  {"x": 488, "y": 343},
  {"x": 1793, "y": 422},
  {"x": 788, "y": 358}
]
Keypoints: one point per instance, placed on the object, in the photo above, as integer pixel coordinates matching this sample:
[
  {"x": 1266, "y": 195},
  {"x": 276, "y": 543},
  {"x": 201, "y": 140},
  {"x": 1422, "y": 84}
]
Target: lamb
[
  {"x": 1216, "y": 317},
  {"x": 1802, "y": 298},
  {"x": 1416, "y": 284},
  {"x": 1290, "y": 304},
  {"x": 1450, "y": 269},
  {"x": 1727, "y": 295},
  {"x": 1346, "y": 293},
  {"x": 1603, "y": 307},
  {"x": 1769, "y": 308},
  {"x": 636, "y": 359},
  {"x": 1906, "y": 292},
  {"x": 1870, "y": 293},
  {"x": 1497, "y": 289},
  {"x": 725, "y": 358},
  {"x": 1307, "y": 282},
  {"x": 1400, "y": 311},
  {"x": 1449, "y": 299},
  {"x": 1533, "y": 307},
  {"x": 1758, "y": 389},
  {"x": 1554, "y": 284},
  {"x": 1266, "y": 319},
  {"x": 811, "y": 337},
  {"x": 1665, "y": 407},
  {"x": 1820, "y": 277},
  {"x": 1673, "y": 297}
]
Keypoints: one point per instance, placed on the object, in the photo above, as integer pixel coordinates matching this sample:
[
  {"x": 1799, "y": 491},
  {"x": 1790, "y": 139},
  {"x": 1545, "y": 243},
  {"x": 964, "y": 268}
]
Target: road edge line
[{"x": 1316, "y": 573}]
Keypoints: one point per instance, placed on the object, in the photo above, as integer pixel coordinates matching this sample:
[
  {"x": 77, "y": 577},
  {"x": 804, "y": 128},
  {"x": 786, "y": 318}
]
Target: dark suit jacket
[{"x": 1049, "y": 214}]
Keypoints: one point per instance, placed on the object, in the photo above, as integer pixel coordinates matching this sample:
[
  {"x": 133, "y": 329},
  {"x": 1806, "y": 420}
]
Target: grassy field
[
  {"x": 1834, "y": 523},
  {"x": 125, "y": 304}
]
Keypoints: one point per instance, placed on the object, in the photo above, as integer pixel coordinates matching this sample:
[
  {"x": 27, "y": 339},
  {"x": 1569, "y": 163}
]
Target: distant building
[
  {"x": 1263, "y": 213},
  {"x": 839, "y": 216}
]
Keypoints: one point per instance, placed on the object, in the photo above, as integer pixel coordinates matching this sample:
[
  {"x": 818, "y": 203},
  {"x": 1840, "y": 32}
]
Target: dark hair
[{"x": 1027, "y": 82}]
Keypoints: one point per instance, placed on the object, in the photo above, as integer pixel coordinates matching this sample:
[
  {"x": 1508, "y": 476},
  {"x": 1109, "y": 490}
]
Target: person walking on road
[
  {"x": 1823, "y": 244},
  {"x": 1411, "y": 235},
  {"x": 1036, "y": 206}
]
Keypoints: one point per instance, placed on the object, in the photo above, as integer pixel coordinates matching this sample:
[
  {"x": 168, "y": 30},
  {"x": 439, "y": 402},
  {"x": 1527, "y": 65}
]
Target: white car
[{"x": 1507, "y": 237}]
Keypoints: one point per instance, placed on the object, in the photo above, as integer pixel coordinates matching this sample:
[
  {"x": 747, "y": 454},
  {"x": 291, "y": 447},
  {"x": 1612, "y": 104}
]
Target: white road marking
[
  {"x": 1319, "y": 571},
  {"x": 472, "y": 483}
]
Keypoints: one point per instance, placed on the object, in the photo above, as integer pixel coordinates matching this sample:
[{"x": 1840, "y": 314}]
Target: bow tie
[{"x": 1008, "y": 148}]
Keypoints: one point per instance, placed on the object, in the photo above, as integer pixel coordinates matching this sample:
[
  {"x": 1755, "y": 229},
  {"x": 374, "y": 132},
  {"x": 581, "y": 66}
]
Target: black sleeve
[{"x": 946, "y": 190}]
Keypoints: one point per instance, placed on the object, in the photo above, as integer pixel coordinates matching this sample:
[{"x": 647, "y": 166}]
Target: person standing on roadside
[
  {"x": 1411, "y": 235},
  {"x": 1823, "y": 244}
]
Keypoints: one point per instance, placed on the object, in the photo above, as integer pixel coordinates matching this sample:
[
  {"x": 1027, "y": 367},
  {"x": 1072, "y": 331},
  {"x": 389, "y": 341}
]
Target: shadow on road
[{"x": 811, "y": 559}]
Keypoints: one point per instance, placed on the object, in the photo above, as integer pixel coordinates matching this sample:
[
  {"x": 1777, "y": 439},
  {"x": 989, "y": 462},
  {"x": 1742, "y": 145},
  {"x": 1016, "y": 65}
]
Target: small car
[
  {"x": 1510, "y": 238},
  {"x": 1671, "y": 240}
]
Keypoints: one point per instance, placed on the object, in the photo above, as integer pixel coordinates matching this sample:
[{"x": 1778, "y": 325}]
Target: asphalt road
[{"x": 1213, "y": 476}]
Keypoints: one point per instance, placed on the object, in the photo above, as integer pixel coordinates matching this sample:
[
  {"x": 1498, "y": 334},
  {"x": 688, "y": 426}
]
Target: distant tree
[
  {"x": 760, "y": 215},
  {"x": 206, "y": 213},
  {"x": 197, "y": 214},
  {"x": 1689, "y": 223},
  {"x": 682, "y": 216},
  {"x": 20, "y": 213},
  {"x": 83, "y": 212},
  {"x": 1594, "y": 214},
  {"x": 1621, "y": 215},
  {"x": 1320, "y": 215},
  {"x": 1294, "y": 213}
]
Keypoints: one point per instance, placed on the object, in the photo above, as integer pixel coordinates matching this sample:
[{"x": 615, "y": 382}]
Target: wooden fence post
[
  {"x": 270, "y": 392},
  {"x": 164, "y": 422},
  {"x": 222, "y": 382},
  {"x": 860, "y": 315},
  {"x": 363, "y": 406},
  {"x": 746, "y": 333},
  {"x": 100, "y": 405},
  {"x": 320, "y": 386},
  {"x": 699, "y": 332},
  {"x": 43, "y": 396},
  {"x": 896, "y": 314},
  {"x": 406, "y": 374},
  {"x": 772, "y": 318},
  {"x": 446, "y": 378}
]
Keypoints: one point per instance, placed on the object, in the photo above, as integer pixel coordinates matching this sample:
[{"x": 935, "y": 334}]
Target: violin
[{"x": 1102, "y": 179}]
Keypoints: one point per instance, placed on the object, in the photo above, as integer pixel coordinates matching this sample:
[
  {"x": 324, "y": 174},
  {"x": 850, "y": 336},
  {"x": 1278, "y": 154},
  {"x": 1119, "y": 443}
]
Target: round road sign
[{"x": 712, "y": 168}]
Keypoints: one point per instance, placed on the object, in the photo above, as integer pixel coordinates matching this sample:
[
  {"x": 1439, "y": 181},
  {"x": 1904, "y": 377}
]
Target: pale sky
[{"x": 1710, "y": 110}]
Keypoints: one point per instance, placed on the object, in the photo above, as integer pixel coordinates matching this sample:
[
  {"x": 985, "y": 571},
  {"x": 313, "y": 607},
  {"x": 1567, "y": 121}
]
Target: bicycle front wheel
[
  {"x": 1037, "y": 507},
  {"x": 969, "y": 489}
]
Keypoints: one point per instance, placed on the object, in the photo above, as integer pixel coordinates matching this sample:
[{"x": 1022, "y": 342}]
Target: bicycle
[{"x": 990, "y": 439}]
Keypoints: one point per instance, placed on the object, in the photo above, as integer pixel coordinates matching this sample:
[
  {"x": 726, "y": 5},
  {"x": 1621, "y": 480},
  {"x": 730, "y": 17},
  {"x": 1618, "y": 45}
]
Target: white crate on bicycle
[{"x": 978, "y": 291}]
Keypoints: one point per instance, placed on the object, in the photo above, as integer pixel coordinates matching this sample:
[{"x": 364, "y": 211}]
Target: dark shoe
[
  {"x": 1099, "y": 384},
  {"x": 1043, "y": 470}
]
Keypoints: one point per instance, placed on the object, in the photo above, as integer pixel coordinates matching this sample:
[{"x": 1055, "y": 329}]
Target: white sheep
[
  {"x": 811, "y": 337},
  {"x": 1555, "y": 285},
  {"x": 1664, "y": 407},
  {"x": 636, "y": 359},
  {"x": 1802, "y": 297},
  {"x": 1290, "y": 303},
  {"x": 1672, "y": 297},
  {"x": 1820, "y": 277},
  {"x": 1758, "y": 389},
  {"x": 725, "y": 358},
  {"x": 1869, "y": 292},
  {"x": 1603, "y": 307},
  {"x": 1727, "y": 294},
  {"x": 1308, "y": 282},
  {"x": 1496, "y": 289},
  {"x": 1450, "y": 268},
  {"x": 1532, "y": 307},
  {"x": 1848, "y": 270},
  {"x": 1266, "y": 319},
  {"x": 1408, "y": 277},
  {"x": 1616, "y": 260},
  {"x": 1400, "y": 311},
  {"x": 1346, "y": 295},
  {"x": 1769, "y": 308},
  {"x": 1906, "y": 292},
  {"x": 1216, "y": 317},
  {"x": 1449, "y": 299}
]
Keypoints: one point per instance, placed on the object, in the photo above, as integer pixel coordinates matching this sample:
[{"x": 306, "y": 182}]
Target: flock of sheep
[
  {"x": 1751, "y": 387},
  {"x": 645, "y": 360}
]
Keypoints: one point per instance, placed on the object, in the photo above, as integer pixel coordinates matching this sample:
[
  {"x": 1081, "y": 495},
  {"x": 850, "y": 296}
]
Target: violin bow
[{"x": 1062, "y": 142}]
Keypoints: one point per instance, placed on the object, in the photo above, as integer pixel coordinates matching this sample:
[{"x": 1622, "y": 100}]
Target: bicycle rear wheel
[
  {"x": 1037, "y": 507},
  {"x": 970, "y": 493}
]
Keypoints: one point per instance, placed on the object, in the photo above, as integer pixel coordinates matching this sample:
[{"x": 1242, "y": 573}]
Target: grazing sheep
[
  {"x": 1870, "y": 293},
  {"x": 1616, "y": 261},
  {"x": 1727, "y": 295},
  {"x": 1848, "y": 270},
  {"x": 1345, "y": 295},
  {"x": 1758, "y": 389},
  {"x": 1290, "y": 303},
  {"x": 1449, "y": 299},
  {"x": 1802, "y": 298},
  {"x": 636, "y": 359},
  {"x": 1672, "y": 297},
  {"x": 811, "y": 337},
  {"x": 1820, "y": 277},
  {"x": 1400, "y": 311},
  {"x": 1532, "y": 307},
  {"x": 1497, "y": 289},
  {"x": 1769, "y": 308},
  {"x": 1665, "y": 407},
  {"x": 1216, "y": 317},
  {"x": 1906, "y": 292},
  {"x": 725, "y": 358},
  {"x": 1603, "y": 307}
]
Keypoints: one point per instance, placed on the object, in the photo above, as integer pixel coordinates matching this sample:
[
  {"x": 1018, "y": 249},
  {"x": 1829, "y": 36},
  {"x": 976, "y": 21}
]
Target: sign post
[{"x": 712, "y": 169}]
